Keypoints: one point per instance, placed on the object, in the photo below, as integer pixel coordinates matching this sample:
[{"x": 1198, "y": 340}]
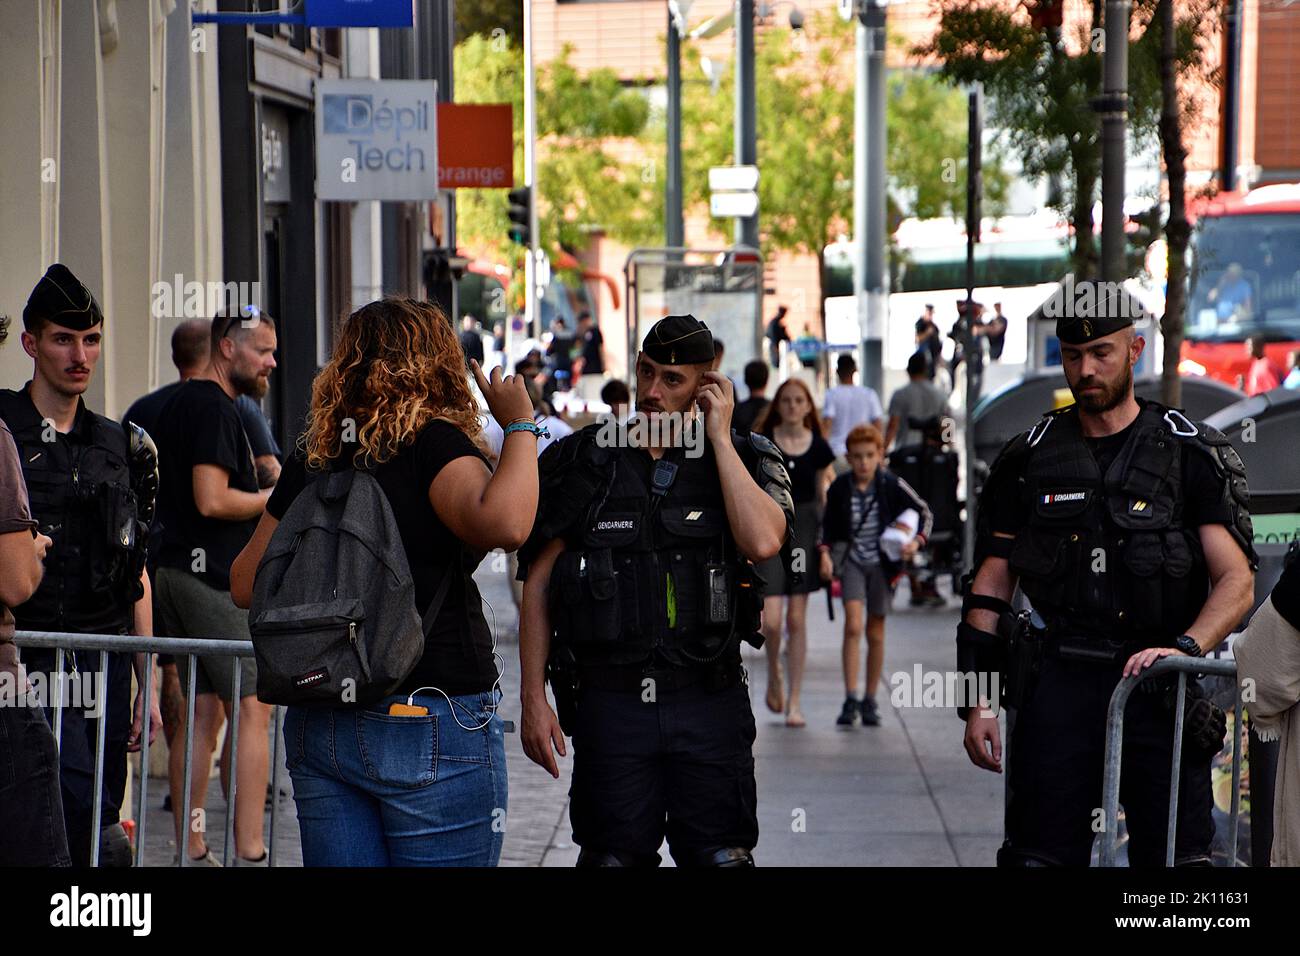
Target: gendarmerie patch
[
  {"x": 615, "y": 524},
  {"x": 1063, "y": 497}
]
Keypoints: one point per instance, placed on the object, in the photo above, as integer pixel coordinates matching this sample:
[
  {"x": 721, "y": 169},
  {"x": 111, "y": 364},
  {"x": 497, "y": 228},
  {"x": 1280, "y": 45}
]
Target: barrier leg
[
  {"x": 183, "y": 843},
  {"x": 1236, "y": 773},
  {"x": 97, "y": 800},
  {"x": 232, "y": 771},
  {"x": 278, "y": 731},
  {"x": 144, "y": 761},
  {"x": 58, "y": 698},
  {"x": 1175, "y": 772}
]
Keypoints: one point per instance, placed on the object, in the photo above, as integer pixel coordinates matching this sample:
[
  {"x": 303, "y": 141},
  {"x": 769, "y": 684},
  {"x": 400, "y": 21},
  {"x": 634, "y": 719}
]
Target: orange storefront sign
[{"x": 476, "y": 147}]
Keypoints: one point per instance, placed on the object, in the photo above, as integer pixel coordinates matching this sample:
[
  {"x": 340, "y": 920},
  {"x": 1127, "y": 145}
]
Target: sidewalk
[{"x": 901, "y": 794}]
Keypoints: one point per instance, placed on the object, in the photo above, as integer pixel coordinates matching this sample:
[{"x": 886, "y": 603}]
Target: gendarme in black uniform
[
  {"x": 92, "y": 491},
  {"x": 1107, "y": 550},
  {"x": 648, "y": 603}
]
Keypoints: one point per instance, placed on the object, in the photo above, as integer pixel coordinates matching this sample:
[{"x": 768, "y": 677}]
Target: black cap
[
  {"x": 61, "y": 298},
  {"x": 1087, "y": 310},
  {"x": 679, "y": 340}
]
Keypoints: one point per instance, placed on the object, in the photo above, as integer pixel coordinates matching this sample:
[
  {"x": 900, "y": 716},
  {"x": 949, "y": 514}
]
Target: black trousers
[
  {"x": 77, "y": 747},
  {"x": 1056, "y": 761},
  {"x": 679, "y": 766},
  {"x": 32, "y": 829}
]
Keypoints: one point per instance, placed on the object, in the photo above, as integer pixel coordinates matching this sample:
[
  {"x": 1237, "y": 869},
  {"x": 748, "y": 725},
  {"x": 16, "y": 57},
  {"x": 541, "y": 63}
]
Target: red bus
[{"x": 1244, "y": 281}]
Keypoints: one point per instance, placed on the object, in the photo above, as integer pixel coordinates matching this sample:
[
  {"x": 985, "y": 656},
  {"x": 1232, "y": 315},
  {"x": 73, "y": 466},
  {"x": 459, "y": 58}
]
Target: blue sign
[{"x": 360, "y": 13}]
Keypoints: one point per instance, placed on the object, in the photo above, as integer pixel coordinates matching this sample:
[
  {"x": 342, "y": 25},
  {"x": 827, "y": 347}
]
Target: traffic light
[{"x": 520, "y": 213}]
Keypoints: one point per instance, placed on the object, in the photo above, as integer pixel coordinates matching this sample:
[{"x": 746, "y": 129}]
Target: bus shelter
[{"x": 722, "y": 288}]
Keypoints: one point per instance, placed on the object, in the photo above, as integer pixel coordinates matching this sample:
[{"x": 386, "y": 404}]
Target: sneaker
[
  {"x": 207, "y": 859},
  {"x": 848, "y": 713},
  {"x": 263, "y": 860},
  {"x": 870, "y": 716}
]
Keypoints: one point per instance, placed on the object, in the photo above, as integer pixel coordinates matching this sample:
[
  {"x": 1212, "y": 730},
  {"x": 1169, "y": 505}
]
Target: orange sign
[{"x": 476, "y": 146}]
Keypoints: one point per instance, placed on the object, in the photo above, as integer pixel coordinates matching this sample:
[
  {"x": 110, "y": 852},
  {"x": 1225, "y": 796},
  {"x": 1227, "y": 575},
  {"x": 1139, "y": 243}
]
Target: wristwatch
[{"x": 1187, "y": 644}]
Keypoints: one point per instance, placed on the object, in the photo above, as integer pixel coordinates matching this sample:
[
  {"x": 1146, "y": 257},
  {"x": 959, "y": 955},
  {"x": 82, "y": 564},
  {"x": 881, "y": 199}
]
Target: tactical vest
[
  {"x": 80, "y": 490},
  {"x": 1109, "y": 555},
  {"x": 648, "y": 574}
]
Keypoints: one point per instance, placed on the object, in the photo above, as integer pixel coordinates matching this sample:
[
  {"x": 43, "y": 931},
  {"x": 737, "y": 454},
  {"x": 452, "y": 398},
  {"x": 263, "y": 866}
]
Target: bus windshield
[{"x": 1245, "y": 277}]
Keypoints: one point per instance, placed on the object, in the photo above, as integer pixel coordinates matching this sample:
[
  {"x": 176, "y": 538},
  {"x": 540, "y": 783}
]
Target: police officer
[
  {"x": 638, "y": 590},
  {"x": 92, "y": 484},
  {"x": 1126, "y": 527}
]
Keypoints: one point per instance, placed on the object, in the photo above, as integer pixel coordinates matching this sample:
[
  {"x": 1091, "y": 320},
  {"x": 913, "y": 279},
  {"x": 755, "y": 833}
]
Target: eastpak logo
[
  {"x": 622, "y": 524},
  {"x": 312, "y": 677},
  {"x": 1064, "y": 497}
]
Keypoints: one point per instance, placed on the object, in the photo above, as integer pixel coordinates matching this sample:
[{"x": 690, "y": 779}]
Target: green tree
[
  {"x": 581, "y": 185},
  {"x": 805, "y": 138},
  {"x": 487, "y": 17},
  {"x": 1040, "y": 92}
]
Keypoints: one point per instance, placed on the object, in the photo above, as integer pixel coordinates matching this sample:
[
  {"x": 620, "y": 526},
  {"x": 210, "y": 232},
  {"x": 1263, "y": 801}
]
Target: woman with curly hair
[
  {"x": 372, "y": 788},
  {"x": 791, "y": 421}
]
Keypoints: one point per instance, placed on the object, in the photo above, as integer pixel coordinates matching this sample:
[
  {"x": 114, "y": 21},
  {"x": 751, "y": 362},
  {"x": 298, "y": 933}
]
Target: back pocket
[{"x": 398, "y": 751}]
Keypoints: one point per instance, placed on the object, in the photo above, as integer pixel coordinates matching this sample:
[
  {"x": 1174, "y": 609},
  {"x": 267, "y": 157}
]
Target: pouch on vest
[
  {"x": 694, "y": 584},
  {"x": 1038, "y": 557},
  {"x": 586, "y": 595}
]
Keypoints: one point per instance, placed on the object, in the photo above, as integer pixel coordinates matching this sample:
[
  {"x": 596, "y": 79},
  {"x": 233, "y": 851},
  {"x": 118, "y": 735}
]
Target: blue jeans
[{"x": 376, "y": 790}]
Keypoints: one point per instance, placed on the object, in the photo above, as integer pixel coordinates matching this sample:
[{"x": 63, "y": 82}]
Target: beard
[
  {"x": 1109, "y": 395},
  {"x": 254, "y": 386}
]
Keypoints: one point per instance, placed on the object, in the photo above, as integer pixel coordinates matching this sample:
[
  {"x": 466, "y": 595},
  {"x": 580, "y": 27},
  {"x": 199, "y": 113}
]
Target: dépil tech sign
[{"x": 376, "y": 139}]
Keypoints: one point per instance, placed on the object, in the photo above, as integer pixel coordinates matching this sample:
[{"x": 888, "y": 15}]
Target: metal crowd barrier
[
  {"x": 1115, "y": 743},
  {"x": 62, "y": 641}
]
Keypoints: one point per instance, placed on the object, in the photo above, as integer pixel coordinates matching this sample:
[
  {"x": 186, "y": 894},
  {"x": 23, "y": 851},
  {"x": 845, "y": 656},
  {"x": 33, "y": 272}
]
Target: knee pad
[
  {"x": 1014, "y": 857},
  {"x": 733, "y": 857},
  {"x": 591, "y": 857},
  {"x": 114, "y": 847}
]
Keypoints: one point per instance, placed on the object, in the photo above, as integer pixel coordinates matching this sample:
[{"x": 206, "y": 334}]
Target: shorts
[
  {"x": 776, "y": 576},
  {"x": 193, "y": 608},
  {"x": 868, "y": 584}
]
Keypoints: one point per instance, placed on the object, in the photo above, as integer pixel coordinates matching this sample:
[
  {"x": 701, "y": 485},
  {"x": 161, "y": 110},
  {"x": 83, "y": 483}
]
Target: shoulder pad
[
  {"x": 760, "y": 444},
  {"x": 1231, "y": 470},
  {"x": 142, "y": 456},
  {"x": 138, "y": 441}
]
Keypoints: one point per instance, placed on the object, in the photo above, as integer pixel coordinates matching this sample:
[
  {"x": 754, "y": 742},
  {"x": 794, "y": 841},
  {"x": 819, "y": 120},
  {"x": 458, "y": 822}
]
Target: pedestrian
[
  {"x": 1268, "y": 659},
  {"x": 929, "y": 342},
  {"x": 791, "y": 423},
  {"x": 776, "y": 334},
  {"x": 1126, "y": 527},
  {"x": 747, "y": 412},
  {"x": 994, "y": 331},
  {"x": 615, "y": 394},
  {"x": 471, "y": 339},
  {"x": 91, "y": 483},
  {"x": 1292, "y": 379},
  {"x": 590, "y": 365},
  {"x": 33, "y": 833},
  {"x": 560, "y": 352},
  {"x": 912, "y": 406},
  {"x": 638, "y": 591},
  {"x": 375, "y": 786},
  {"x": 210, "y": 502},
  {"x": 847, "y": 406},
  {"x": 189, "y": 345},
  {"x": 1263, "y": 374},
  {"x": 860, "y": 505}
]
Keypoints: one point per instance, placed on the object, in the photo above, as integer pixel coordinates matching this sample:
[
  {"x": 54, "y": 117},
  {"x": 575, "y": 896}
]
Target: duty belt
[{"x": 632, "y": 678}]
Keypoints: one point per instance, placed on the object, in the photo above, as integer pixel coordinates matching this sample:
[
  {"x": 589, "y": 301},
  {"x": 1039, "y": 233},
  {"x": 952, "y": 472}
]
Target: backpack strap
[{"x": 439, "y": 596}]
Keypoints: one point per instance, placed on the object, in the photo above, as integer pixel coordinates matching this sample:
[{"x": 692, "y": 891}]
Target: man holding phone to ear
[{"x": 638, "y": 590}]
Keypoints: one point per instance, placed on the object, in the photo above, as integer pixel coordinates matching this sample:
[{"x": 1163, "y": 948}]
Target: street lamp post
[
  {"x": 1113, "y": 106},
  {"x": 746, "y": 131},
  {"x": 674, "y": 227}
]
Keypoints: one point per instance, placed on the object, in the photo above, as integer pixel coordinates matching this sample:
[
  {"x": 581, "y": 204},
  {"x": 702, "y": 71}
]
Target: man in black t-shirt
[
  {"x": 592, "y": 367},
  {"x": 209, "y": 504},
  {"x": 1125, "y": 525}
]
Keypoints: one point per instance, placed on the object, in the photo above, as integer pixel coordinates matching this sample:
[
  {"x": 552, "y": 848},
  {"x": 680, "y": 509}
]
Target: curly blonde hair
[{"x": 397, "y": 365}]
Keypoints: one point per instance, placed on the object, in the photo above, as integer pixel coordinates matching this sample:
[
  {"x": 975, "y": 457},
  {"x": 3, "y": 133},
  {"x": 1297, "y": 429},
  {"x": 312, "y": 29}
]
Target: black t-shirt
[
  {"x": 200, "y": 425},
  {"x": 1203, "y": 490},
  {"x": 472, "y": 343},
  {"x": 747, "y": 412},
  {"x": 458, "y": 650},
  {"x": 592, "y": 362},
  {"x": 804, "y": 469},
  {"x": 145, "y": 411}
]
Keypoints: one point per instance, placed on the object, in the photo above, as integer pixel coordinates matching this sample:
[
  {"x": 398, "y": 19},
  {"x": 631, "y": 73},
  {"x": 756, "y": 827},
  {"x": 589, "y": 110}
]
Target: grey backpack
[{"x": 333, "y": 616}]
